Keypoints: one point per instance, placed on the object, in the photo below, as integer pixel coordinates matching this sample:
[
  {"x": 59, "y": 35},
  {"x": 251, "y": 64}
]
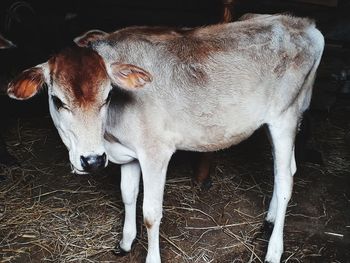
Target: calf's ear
[
  {"x": 128, "y": 76},
  {"x": 90, "y": 36},
  {"x": 28, "y": 83}
]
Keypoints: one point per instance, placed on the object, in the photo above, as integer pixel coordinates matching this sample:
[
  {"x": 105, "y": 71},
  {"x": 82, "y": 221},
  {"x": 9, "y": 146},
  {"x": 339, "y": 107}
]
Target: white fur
[{"x": 130, "y": 178}]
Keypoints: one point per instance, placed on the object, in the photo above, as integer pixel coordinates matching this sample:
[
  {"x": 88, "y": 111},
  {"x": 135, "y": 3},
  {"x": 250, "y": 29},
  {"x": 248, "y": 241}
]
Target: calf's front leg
[
  {"x": 153, "y": 175},
  {"x": 130, "y": 178}
]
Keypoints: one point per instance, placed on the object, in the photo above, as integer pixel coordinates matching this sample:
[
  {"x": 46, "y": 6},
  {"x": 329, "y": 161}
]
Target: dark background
[{"x": 42, "y": 28}]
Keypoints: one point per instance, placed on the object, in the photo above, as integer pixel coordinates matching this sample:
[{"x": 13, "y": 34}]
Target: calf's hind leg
[
  {"x": 202, "y": 164},
  {"x": 282, "y": 131}
]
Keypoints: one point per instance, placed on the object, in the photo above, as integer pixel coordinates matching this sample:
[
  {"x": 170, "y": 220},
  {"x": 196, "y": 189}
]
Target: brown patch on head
[
  {"x": 148, "y": 224},
  {"x": 81, "y": 72},
  {"x": 27, "y": 83}
]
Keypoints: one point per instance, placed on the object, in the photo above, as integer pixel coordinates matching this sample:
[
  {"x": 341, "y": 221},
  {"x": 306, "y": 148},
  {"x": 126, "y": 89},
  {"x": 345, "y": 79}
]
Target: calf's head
[{"x": 79, "y": 84}]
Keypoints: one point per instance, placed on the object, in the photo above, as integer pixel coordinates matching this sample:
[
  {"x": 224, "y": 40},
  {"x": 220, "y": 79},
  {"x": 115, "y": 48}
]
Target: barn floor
[{"x": 48, "y": 214}]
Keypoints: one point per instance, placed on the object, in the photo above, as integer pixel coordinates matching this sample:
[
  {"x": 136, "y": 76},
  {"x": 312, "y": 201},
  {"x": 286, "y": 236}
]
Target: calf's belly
[{"x": 209, "y": 140}]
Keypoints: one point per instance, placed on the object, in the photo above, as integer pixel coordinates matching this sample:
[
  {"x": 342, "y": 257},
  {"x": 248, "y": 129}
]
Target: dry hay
[
  {"x": 49, "y": 218},
  {"x": 50, "y": 215}
]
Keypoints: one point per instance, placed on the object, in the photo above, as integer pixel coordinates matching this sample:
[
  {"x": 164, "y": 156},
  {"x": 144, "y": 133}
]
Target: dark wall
[{"x": 42, "y": 28}]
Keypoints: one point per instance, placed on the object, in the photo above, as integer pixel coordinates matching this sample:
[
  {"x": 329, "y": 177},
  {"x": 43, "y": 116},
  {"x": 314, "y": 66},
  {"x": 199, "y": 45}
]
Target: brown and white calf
[{"x": 201, "y": 89}]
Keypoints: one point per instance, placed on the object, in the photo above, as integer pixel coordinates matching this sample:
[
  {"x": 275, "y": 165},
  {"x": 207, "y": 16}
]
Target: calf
[{"x": 137, "y": 95}]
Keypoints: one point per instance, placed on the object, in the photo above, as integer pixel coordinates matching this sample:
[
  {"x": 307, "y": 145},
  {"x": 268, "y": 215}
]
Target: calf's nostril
[
  {"x": 93, "y": 162},
  {"x": 84, "y": 162},
  {"x": 103, "y": 161}
]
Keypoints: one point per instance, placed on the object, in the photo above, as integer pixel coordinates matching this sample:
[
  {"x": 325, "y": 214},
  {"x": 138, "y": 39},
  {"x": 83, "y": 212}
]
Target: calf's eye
[
  {"x": 107, "y": 99},
  {"x": 57, "y": 102}
]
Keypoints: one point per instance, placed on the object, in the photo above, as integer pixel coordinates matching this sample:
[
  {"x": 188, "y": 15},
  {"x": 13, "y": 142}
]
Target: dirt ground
[{"x": 48, "y": 214}]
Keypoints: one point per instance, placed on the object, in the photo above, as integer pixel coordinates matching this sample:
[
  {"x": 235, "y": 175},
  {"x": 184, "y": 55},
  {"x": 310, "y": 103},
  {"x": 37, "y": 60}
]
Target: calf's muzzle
[{"x": 93, "y": 162}]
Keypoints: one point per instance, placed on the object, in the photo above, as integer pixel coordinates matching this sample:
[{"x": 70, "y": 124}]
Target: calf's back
[{"x": 213, "y": 86}]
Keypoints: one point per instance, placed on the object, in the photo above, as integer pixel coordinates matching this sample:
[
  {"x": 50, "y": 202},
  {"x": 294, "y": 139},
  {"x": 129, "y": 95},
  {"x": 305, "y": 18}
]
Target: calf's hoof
[
  {"x": 118, "y": 251},
  {"x": 206, "y": 184}
]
